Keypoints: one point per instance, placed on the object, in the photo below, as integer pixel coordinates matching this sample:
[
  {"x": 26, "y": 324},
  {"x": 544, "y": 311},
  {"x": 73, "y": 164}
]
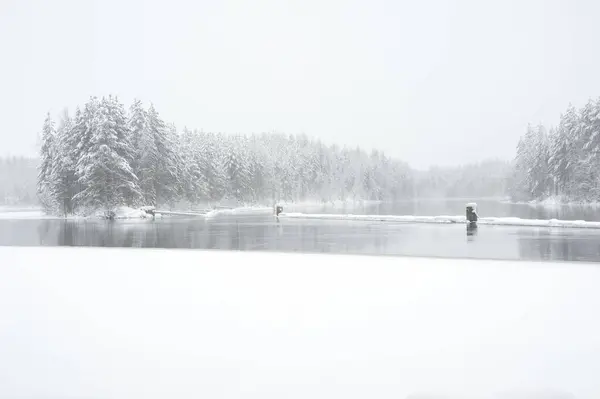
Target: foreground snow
[
  {"x": 443, "y": 219},
  {"x": 125, "y": 323}
]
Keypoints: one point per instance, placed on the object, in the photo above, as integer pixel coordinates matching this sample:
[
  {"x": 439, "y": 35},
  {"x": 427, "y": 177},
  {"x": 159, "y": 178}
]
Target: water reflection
[
  {"x": 265, "y": 233},
  {"x": 562, "y": 244},
  {"x": 471, "y": 231}
]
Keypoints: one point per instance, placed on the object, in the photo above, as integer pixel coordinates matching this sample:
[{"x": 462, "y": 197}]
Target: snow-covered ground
[
  {"x": 124, "y": 212},
  {"x": 17, "y": 213},
  {"x": 445, "y": 219},
  {"x": 376, "y": 218},
  {"x": 553, "y": 202},
  {"x": 124, "y": 323},
  {"x": 245, "y": 211}
]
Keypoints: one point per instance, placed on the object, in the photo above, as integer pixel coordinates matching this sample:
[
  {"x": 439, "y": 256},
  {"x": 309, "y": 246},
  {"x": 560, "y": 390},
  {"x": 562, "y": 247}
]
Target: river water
[{"x": 265, "y": 233}]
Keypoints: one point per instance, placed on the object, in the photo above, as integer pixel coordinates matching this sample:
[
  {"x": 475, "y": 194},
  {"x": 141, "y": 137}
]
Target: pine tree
[
  {"x": 236, "y": 167},
  {"x": 158, "y": 171},
  {"x": 137, "y": 129},
  {"x": 63, "y": 172},
  {"x": 79, "y": 143},
  {"x": 45, "y": 189},
  {"x": 561, "y": 149},
  {"x": 585, "y": 182},
  {"x": 539, "y": 169},
  {"x": 105, "y": 175},
  {"x": 212, "y": 165},
  {"x": 175, "y": 181},
  {"x": 193, "y": 179}
]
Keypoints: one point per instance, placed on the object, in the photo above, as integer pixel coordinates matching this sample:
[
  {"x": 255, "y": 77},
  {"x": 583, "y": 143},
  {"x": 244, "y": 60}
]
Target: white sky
[{"x": 431, "y": 82}]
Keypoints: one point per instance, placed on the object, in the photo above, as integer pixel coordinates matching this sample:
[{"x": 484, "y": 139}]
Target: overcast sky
[{"x": 431, "y": 82}]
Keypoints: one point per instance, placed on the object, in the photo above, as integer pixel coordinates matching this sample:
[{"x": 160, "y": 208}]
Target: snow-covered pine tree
[
  {"x": 312, "y": 168},
  {"x": 266, "y": 161},
  {"x": 176, "y": 182},
  {"x": 260, "y": 170},
  {"x": 273, "y": 146},
  {"x": 592, "y": 129},
  {"x": 585, "y": 182},
  {"x": 236, "y": 167},
  {"x": 245, "y": 177},
  {"x": 302, "y": 175},
  {"x": 137, "y": 126},
  {"x": 532, "y": 164},
  {"x": 323, "y": 184},
  {"x": 79, "y": 140},
  {"x": 45, "y": 186},
  {"x": 63, "y": 171},
  {"x": 158, "y": 163},
  {"x": 289, "y": 168},
  {"x": 348, "y": 173},
  {"x": 105, "y": 174},
  {"x": 520, "y": 189},
  {"x": 540, "y": 172},
  {"x": 193, "y": 179},
  {"x": 561, "y": 149},
  {"x": 212, "y": 165}
]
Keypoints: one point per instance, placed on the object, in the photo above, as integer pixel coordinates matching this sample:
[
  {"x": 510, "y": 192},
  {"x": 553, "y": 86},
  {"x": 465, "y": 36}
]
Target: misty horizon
[{"x": 449, "y": 87}]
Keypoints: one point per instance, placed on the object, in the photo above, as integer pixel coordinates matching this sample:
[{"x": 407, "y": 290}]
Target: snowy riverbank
[
  {"x": 128, "y": 213},
  {"x": 555, "y": 201},
  {"x": 445, "y": 219},
  {"x": 139, "y": 323}
]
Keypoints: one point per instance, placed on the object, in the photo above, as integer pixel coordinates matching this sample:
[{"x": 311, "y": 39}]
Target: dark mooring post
[{"x": 472, "y": 214}]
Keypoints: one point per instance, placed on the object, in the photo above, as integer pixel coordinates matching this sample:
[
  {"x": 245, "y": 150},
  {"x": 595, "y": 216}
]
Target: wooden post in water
[{"x": 471, "y": 217}]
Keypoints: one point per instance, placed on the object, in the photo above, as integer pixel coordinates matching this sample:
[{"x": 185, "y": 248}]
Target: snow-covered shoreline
[
  {"x": 127, "y": 213},
  {"x": 554, "y": 201},
  {"x": 448, "y": 219},
  {"x": 377, "y": 218}
]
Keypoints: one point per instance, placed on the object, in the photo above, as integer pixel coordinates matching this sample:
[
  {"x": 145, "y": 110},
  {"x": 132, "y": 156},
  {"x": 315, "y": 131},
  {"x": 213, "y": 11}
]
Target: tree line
[
  {"x": 562, "y": 160},
  {"x": 106, "y": 156}
]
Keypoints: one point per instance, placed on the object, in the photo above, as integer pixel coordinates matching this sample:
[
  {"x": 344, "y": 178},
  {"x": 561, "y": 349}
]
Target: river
[{"x": 265, "y": 233}]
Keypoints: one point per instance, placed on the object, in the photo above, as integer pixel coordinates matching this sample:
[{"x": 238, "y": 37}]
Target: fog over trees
[
  {"x": 105, "y": 155},
  {"x": 18, "y": 177}
]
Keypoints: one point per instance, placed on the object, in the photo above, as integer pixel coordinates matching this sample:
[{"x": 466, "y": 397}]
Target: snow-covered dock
[{"x": 444, "y": 219}]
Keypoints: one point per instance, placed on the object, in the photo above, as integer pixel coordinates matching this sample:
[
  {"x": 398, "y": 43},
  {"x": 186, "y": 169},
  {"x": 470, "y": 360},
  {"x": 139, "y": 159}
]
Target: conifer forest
[{"x": 106, "y": 155}]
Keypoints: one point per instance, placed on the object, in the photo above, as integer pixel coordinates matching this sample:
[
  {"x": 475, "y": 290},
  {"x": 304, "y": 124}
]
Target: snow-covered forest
[
  {"x": 106, "y": 155},
  {"x": 562, "y": 161}
]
